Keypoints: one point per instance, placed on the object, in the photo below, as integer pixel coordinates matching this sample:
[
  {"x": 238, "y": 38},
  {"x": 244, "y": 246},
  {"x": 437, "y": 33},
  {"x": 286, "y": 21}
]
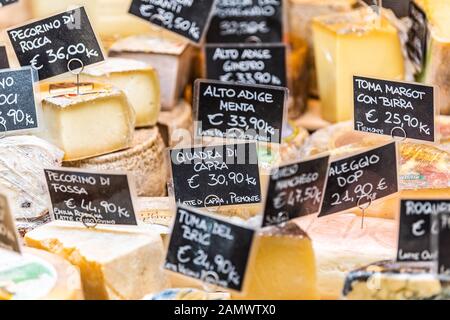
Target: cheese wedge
[
  {"x": 437, "y": 71},
  {"x": 424, "y": 169},
  {"x": 22, "y": 160},
  {"x": 346, "y": 44},
  {"x": 170, "y": 57},
  {"x": 38, "y": 275},
  {"x": 300, "y": 14},
  {"x": 114, "y": 265},
  {"x": 341, "y": 245},
  {"x": 95, "y": 122},
  {"x": 387, "y": 280},
  {"x": 139, "y": 81},
  {"x": 282, "y": 266},
  {"x": 145, "y": 160}
]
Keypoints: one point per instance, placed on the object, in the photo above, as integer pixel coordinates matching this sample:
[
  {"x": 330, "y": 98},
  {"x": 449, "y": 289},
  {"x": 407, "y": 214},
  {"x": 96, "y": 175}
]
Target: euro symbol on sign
[
  {"x": 369, "y": 116},
  {"x": 182, "y": 252},
  {"x": 417, "y": 229},
  {"x": 213, "y": 117}
]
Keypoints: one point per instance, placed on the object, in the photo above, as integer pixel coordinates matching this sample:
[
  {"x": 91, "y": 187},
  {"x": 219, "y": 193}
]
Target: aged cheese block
[
  {"x": 170, "y": 57},
  {"x": 114, "y": 264},
  {"x": 282, "y": 266},
  {"x": 156, "y": 210},
  {"x": 300, "y": 14},
  {"x": 38, "y": 275},
  {"x": 424, "y": 169},
  {"x": 22, "y": 159},
  {"x": 387, "y": 280},
  {"x": 341, "y": 245},
  {"x": 145, "y": 160},
  {"x": 139, "y": 81},
  {"x": 188, "y": 294},
  {"x": 344, "y": 45},
  {"x": 177, "y": 124},
  {"x": 95, "y": 122}
]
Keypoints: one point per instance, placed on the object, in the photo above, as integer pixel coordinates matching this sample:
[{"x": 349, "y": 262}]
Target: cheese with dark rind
[{"x": 145, "y": 160}]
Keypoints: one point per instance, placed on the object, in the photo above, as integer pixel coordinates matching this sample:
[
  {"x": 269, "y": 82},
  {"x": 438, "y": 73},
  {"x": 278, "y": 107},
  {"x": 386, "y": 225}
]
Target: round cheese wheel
[
  {"x": 177, "y": 123},
  {"x": 38, "y": 275},
  {"x": 145, "y": 160}
]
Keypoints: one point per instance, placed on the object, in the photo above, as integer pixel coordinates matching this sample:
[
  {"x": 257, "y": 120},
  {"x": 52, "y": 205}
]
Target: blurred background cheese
[
  {"x": 89, "y": 124},
  {"x": 176, "y": 125},
  {"x": 22, "y": 160},
  {"x": 188, "y": 294},
  {"x": 170, "y": 57},
  {"x": 282, "y": 266},
  {"x": 145, "y": 160},
  {"x": 388, "y": 280},
  {"x": 424, "y": 168},
  {"x": 341, "y": 245},
  {"x": 300, "y": 14},
  {"x": 437, "y": 70},
  {"x": 139, "y": 81},
  {"x": 155, "y": 210},
  {"x": 348, "y": 44},
  {"x": 114, "y": 264},
  {"x": 38, "y": 275}
]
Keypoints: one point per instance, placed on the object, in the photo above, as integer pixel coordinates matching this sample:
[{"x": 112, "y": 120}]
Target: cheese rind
[
  {"x": 38, "y": 275},
  {"x": 90, "y": 124},
  {"x": 145, "y": 160},
  {"x": 139, "y": 81},
  {"x": 344, "y": 45},
  {"x": 114, "y": 264},
  {"x": 177, "y": 124},
  {"x": 282, "y": 266},
  {"x": 341, "y": 245},
  {"x": 22, "y": 160},
  {"x": 170, "y": 57}
]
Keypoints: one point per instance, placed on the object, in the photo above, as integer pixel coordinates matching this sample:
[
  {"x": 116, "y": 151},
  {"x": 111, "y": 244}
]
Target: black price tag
[
  {"x": 209, "y": 249},
  {"x": 215, "y": 176},
  {"x": 417, "y": 44},
  {"x": 295, "y": 190},
  {"x": 248, "y": 64},
  {"x": 245, "y": 112},
  {"x": 49, "y": 44},
  {"x": 7, "y": 2},
  {"x": 418, "y": 225},
  {"x": 247, "y": 21},
  {"x": 400, "y": 7},
  {"x": 189, "y": 18},
  {"x": 359, "y": 180},
  {"x": 444, "y": 244},
  {"x": 18, "y": 106},
  {"x": 394, "y": 108},
  {"x": 4, "y": 63},
  {"x": 8, "y": 233},
  {"x": 91, "y": 198}
]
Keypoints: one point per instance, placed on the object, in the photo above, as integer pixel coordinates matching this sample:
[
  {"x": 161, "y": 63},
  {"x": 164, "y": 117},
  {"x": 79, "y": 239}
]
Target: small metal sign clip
[
  {"x": 89, "y": 224},
  {"x": 402, "y": 138},
  {"x": 364, "y": 207},
  {"x": 76, "y": 71},
  {"x": 212, "y": 196},
  {"x": 210, "y": 280}
]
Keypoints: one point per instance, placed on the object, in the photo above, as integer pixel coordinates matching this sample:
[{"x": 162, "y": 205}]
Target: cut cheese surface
[
  {"x": 171, "y": 58},
  {"x": 38, "y": 275},
  {"x": 89, "y": 124},
  {"x": 341, "y": 245},
  {"x": 139, "y": 81},
  {"x": 22, "y": 160},
  {"x": 345, "y": 44},
  {"x": 145, "y": 160},
  {"x": 113, "y": 264},
  {"x": 282, "y": 266}
]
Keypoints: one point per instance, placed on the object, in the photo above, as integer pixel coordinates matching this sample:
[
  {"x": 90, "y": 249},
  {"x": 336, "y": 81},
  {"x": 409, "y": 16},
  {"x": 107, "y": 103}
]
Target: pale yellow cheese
[
  {"x": 90, "y": 124},
  {"x": 348, "y": 44},
  {"x": 139, "y": 81},
  {"x": 114, "y": 264}
]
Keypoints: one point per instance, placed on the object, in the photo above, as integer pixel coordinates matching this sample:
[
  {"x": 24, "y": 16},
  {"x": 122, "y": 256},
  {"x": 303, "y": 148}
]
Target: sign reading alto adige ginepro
[
  {"x": 394, "y": 108},
  {"x": 237, "y": 111},
  {"x": 361, "y": 179},
  {"x": 48, "y": 45},
  {"x": 90, "y": 198},
  {"x": 249, "y": 64},
  {"x": 188, "y": 18},
  {"x": 209, "y": 249},
  {"x": 215, "y": 176},
  {"x": 247, "y": 21}
]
